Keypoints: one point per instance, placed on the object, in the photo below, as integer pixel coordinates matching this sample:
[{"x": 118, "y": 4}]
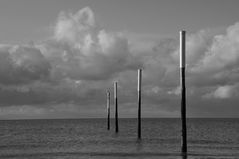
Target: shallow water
[{"x": 88, "y": 138}]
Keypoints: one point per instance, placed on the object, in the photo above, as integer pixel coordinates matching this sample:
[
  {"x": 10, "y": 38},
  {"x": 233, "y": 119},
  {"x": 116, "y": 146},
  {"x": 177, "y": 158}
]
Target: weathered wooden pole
[
  {"x": 139, "y": 102},
  {"x": 108, "y": 110},
  {"x": 183, "y": 91},
  {"x": 116, "y": 108}
]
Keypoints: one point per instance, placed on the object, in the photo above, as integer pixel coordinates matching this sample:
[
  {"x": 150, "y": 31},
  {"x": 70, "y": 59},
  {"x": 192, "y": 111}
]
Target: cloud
[
  {"x": 218, "y": 64},
  {"x": 81, "y": 49},
  {"x": 81, "y": 59},
  {"x": 22, "y": 64},
  {"x": 76, "y": 29},
  {"x": 223, "y": 52},
  {"x": 223, "y": 92}
]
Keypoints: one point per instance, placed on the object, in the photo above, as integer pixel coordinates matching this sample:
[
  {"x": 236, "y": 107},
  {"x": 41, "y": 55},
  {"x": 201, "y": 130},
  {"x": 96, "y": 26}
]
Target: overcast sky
[{"x": 58, "y": 58}]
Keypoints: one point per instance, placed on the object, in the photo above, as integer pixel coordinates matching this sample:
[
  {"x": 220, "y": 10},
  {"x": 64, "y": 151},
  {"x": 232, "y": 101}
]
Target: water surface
[{"x": 88, "y": 138}]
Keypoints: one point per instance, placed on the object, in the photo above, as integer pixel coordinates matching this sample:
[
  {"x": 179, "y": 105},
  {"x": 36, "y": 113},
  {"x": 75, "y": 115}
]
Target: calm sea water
[{"x": 88, "y": 138}]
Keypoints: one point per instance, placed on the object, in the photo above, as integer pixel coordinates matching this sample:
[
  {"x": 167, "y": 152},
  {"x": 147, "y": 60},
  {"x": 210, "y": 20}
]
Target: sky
[{"x": 58, "y": 58}]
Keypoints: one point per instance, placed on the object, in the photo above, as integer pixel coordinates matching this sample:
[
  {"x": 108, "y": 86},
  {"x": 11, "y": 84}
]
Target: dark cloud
[{"x": 22, "y": 64}]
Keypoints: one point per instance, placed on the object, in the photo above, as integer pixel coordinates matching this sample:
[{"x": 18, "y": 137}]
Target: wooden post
[
  {"x": 139, "y": 102},
  {"x": 183, "y": 91},
  {"x": 108, "y": 110},
  {"x": 116, "y": 108}
]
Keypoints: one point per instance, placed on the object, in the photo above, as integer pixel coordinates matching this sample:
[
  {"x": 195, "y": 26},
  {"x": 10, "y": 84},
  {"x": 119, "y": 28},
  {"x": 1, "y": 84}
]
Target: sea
[{"x": 90, "y": 139}]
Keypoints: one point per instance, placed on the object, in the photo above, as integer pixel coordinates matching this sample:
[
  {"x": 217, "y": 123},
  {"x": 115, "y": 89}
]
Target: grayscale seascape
[
  {"x": 119, "y": 79},
  {"x": 88, "y": 138}
]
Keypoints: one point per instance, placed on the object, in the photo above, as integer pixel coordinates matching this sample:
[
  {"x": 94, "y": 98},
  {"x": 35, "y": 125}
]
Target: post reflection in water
[
  {"x": 139, "y": 145},
  {"x": 184, "y": 156}
]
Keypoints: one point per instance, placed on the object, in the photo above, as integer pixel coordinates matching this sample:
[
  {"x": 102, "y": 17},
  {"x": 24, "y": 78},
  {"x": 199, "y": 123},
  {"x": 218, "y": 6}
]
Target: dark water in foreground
[{"x": 88, "y": 138}]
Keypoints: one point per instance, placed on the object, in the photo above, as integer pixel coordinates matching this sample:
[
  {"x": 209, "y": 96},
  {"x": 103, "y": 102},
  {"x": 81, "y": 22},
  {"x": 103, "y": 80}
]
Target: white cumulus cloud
[{"x": 81, "y": 49}]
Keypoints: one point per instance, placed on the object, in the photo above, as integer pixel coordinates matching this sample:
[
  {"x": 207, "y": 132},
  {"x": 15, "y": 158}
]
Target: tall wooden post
[
  {"x": 108, "y": 110},
  {"x": 116, "y": 108},
  {"x": 183, "y": 91},
  {"x": 139, "y": 102}
]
